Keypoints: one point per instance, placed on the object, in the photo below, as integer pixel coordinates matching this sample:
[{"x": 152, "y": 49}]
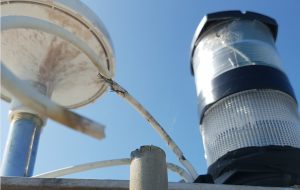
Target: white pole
[{"x": 148, "y": 169}]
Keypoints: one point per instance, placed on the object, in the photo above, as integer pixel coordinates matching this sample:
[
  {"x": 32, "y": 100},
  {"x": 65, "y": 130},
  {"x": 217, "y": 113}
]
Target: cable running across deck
[{"x": 108, "y": 163}]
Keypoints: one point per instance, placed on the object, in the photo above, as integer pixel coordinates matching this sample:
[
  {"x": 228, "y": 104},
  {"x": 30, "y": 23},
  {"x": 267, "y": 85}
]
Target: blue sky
[{"x": 152, "y": 43}]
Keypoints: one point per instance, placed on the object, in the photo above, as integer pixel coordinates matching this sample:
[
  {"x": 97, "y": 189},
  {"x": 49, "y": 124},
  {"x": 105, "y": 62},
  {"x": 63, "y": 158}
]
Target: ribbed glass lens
[
  {"x": 250, "y": 118},
  {"x": 231, "y": 44}
]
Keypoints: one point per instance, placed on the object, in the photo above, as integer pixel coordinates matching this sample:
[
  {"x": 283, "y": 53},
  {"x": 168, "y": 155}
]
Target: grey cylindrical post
[
  {"x": 22, "y": 145},
  {"x": 148, "y": 169}
]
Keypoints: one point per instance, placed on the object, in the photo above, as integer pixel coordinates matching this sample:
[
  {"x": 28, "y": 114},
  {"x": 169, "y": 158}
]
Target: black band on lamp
[{"x": 241, "y": 79}]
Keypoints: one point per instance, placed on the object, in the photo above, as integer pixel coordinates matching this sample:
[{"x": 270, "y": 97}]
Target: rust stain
[
  {"x": 102, "y": 55},
  {"x": 82, "y": 66},
  {"x": 55, "y": 59},
  {"x": 77, "y": 122},
  {"x": 81, "y": 124},
  {"x": 33, "y": 57},
  {"x": 59, "y": 53},
  {"x": 39, "y": 37},
  {"x": 67, "y": 21},
  {"x": 24, "y": 50}
]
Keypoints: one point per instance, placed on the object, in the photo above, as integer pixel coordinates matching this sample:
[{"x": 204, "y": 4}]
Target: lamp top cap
[{"x": 211, "y": 18}]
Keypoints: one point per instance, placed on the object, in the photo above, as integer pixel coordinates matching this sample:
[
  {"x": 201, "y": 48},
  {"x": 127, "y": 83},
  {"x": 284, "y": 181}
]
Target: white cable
[
  {"x": 31, "y": 98},
  {"x": 84, "y": 167},
  {"x": 108, "y": 163},
  {"x": 124, "y": 94},
  {"x": 11, "y": 22},
  {"x": 180, "y": 171}
]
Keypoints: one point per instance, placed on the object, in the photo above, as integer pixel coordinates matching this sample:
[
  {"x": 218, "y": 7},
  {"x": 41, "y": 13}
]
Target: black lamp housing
[
  {"x": 236, "y": 80},
  {"x": 266, "y": 165}
]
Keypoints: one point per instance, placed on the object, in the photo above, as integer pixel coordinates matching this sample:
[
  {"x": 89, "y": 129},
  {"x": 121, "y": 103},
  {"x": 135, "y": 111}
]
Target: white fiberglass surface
[
  {"x": 250, "y": 118},
  {"x": 232, "y": 44}
]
